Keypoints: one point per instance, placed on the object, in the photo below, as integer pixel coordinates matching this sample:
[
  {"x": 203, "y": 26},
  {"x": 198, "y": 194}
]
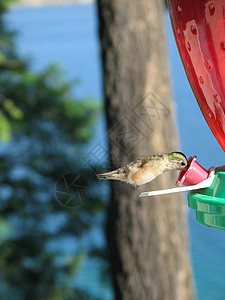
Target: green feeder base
[{"x": 209, "y": 203}]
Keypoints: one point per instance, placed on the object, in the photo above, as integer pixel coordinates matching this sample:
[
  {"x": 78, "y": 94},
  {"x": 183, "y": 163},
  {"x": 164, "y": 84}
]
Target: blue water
[{"x": 68, "y": 35}]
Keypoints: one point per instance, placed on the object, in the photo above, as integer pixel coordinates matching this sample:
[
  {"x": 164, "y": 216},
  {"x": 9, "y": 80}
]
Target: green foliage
[
  {"x": 45, "y": 97},
  {"x": 41, "y": 128},
  {"x": 4, "y": 128},
  {"x": 5, "y": 4}
]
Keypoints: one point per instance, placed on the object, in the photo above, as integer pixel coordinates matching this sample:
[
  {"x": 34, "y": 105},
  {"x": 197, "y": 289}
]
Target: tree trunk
[{"x": 147, "y": 237}]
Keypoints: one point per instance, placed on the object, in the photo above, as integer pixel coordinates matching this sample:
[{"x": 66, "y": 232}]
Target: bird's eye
[{"x": 182, "y": 163}]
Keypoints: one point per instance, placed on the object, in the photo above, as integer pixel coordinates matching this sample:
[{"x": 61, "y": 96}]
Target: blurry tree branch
[{"x": 43, "y": 130}]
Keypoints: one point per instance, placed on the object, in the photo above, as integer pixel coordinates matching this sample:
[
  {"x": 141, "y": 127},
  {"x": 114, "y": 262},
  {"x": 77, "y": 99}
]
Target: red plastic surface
[
  {"x": 199, "y": 29},
  {"x": 193, "y": 174}
]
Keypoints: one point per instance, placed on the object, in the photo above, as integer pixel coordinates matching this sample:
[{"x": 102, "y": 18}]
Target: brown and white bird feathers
[{"x": 145, "y": 169}]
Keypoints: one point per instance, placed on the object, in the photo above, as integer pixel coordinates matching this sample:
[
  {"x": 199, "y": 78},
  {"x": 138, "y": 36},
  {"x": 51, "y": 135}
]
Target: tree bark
[{"x": 147, "y": 237}]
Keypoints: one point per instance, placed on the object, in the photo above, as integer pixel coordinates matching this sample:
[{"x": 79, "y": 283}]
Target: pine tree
[{"x": 45, "y": 185}]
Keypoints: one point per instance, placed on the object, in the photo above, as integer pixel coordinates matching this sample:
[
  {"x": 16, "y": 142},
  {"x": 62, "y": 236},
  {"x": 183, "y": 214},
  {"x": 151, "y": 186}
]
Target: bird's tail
[{"x": 114, "y": 175}]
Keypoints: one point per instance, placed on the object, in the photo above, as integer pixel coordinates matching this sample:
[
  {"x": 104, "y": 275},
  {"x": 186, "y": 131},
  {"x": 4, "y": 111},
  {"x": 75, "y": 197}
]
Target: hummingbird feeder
[{"x": 198, "y": 27}]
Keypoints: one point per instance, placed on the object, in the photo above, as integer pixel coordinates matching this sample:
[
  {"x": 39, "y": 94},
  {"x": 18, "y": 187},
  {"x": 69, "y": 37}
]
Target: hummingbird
[{"x": 145, "y": 169}]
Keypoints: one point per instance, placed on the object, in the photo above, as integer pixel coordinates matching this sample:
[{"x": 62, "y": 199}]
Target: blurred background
[{"x": 53, "y": 142}]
